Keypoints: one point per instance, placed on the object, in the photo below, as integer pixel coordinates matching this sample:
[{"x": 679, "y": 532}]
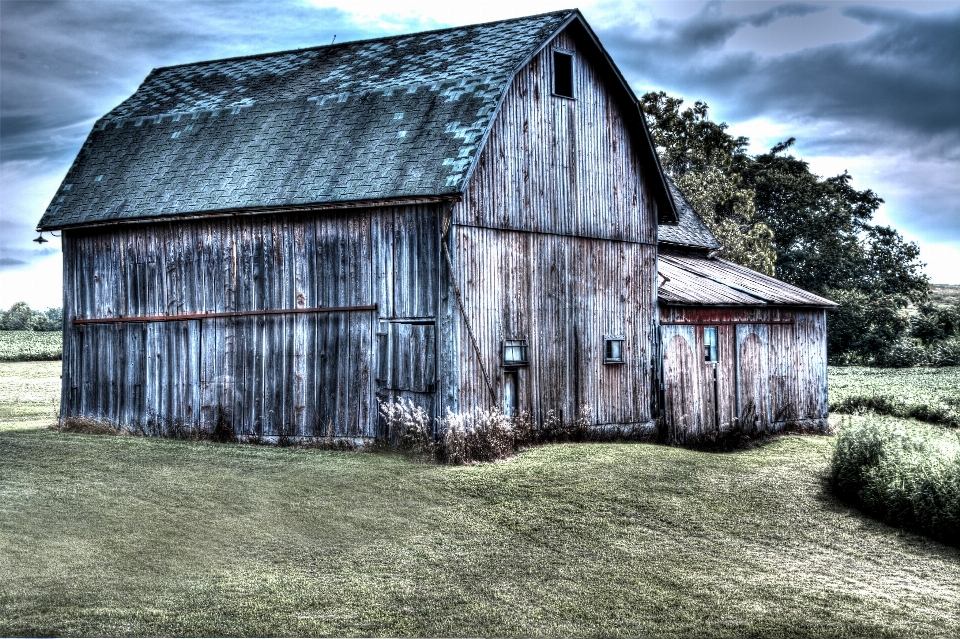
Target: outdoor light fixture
[{"x": 40, "y": 239}]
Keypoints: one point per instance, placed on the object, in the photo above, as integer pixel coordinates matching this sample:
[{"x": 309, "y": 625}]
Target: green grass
[
  {"x": 29, "y": 394},
  {"x": 128, "y": 536},
  {"x": 945, "y": 293},
  {"x": 928, "y": 394},
  {"x": 29, "y": 346}
]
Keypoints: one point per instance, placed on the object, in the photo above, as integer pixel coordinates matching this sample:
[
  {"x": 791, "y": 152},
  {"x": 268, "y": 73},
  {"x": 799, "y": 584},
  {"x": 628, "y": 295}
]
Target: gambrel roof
[{"x": 394, "y": 118}]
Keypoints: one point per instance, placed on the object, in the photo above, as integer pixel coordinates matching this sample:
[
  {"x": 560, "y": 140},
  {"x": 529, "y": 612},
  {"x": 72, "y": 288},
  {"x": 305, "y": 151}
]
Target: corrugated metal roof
[
  {"x": 376, "y": 119},
  {"x": 703, "y": 281},
  {"x": 690, "y": 230}
]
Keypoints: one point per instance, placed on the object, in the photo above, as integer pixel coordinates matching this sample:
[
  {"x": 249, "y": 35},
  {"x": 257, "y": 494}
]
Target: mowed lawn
[{"x": 118, "y": 536}]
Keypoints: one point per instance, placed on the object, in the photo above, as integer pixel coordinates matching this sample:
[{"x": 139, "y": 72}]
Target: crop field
[
  {"x": 30, "y": 346},
  {"x": 928, "y": 394},
  {"x": 132, "y": 536}
]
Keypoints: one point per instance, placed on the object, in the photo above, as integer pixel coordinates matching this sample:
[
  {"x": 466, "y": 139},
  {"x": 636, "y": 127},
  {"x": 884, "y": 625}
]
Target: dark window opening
[
  {"x": 510, "y": 401},
  {"x": 710, "y": 344},
  {"x": 613, "y": 350},
  {"x": 516, "y": 352},
  {"x": 563, "y": 74}
]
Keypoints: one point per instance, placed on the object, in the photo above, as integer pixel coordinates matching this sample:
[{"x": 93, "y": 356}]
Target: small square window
[
  {"x": 563, "y": 74},
  {"x": 710, "y": 344},
  {"x": 613, "y": 350},
  {"x": 516, "y": 352}
]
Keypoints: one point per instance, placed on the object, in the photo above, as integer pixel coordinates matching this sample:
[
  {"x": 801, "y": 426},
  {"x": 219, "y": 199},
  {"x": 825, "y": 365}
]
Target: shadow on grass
[{"x": 832, "y": 503}]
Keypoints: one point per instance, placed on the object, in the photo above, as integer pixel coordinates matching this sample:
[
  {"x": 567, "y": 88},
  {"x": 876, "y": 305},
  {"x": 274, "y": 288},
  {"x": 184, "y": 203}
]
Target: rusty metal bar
[
  {"x": 716, "y": 322},
  {"x": 201, "y": 316}
]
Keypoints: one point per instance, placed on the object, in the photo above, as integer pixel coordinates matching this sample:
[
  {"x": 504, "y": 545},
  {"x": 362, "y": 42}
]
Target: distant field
[
  {"x": 30, "y": 346},
  {"x": 132, "y": 536},
  {"x": 945, "y": 293},
  {"x": 929, "y": 394}
]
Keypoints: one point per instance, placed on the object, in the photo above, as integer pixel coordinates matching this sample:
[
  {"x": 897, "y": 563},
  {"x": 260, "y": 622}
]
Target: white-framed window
[
  {"x": 711, "y": 352},
  {"x": 516, "y": 352},
  {"x": 613, "y": 349}
]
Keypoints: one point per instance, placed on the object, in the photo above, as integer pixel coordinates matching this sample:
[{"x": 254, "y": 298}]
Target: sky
[{"x": 872, "y": 88}]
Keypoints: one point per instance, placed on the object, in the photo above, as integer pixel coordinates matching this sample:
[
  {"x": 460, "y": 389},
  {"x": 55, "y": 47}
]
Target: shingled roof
[
  {"x": 690, "y": 231},
  {"x": 376, "y": 120}
]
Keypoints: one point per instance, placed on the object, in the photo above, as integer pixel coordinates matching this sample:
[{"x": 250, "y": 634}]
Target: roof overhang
[{"x": 245, "y": 212}]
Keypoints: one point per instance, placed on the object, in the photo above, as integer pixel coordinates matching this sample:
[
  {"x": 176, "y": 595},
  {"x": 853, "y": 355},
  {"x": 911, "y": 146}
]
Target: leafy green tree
[
  {"x": 706, "y": 163},
  {"x": 20, "y": 317}
]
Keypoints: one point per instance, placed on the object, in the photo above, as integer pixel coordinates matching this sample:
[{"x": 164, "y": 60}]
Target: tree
[
  {"x": 774, "y": 215},
  {"x": 706, "y": 163},
  {"x": 20, "y": 317}
]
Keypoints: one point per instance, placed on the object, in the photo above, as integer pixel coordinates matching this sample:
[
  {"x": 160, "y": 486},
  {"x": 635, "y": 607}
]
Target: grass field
[
  {"x": 133, "y": 536},
  {"x": 22, "y": 346},
  {"x": 930, "y": 394}
]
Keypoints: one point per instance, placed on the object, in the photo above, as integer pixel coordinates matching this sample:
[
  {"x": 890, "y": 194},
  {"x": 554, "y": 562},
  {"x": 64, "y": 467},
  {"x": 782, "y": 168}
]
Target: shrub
[
  {"x": 477, "y": 435},
  {"x": 905, "y": 474},
  {"x": 407, "y": 424}
]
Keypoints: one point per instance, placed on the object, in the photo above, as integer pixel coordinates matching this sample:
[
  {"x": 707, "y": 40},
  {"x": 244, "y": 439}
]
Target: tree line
[
  {"x": 772, "y": 214},
  {"x": 20, "y": 317}
]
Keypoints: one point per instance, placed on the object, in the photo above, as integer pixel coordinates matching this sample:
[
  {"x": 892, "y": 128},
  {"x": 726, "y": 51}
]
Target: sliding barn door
[{"x": 407, "y": 368}]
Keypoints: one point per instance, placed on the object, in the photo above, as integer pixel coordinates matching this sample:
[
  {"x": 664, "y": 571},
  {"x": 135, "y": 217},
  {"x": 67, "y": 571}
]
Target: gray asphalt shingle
[{"x": 302, "y": 127}]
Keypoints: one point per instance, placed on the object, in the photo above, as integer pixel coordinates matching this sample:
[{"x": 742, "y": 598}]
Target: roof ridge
[{"x": 254, "y": 56}]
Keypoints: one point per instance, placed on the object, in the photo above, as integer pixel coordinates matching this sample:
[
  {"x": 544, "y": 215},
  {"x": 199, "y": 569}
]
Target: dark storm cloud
[
  {"x": 710, "y": 29},
  {"x": 891, "y": 94},
  {"x": 905, "y": 76}
]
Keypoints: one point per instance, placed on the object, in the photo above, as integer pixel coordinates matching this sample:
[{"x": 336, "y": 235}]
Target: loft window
[
  {"x": 563, "y": 74},
  {"x": 516, "y": 352},
  {"x": 710, "y": 344},
  {"x": 613, "y": 350}
]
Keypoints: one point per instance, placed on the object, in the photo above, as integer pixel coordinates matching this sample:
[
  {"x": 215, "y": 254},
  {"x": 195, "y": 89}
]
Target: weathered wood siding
[
  {"x": 297, "y": 374},
  {"x": 771, "y": 370},
  {"x": 560, "y": 165},
  {"x": 563, "y": 295},
  {"x": 554, "y": 242}
]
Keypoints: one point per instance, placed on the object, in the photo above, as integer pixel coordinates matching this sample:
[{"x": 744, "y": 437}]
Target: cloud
[
  {"x": 65, "y": 64},
  {"x": 906, "y": 74},
  {"x": 883, "y": 105}
]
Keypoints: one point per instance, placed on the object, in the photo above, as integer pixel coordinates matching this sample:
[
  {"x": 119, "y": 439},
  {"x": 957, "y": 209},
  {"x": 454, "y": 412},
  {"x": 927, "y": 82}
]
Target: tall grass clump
[
  {"x": 478, "y": 435},
  {"x": 408, "y": 425},
  {"x": 905, "y": 474},
  {"x": 481, "y": 435}
]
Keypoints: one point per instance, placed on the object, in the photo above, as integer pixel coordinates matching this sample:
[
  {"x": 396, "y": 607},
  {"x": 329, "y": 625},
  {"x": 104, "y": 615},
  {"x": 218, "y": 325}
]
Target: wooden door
[
  {"x": 681, "y": 393},
  {"x": 407, "y": 366},
  {"x": 753, "y": 388}
]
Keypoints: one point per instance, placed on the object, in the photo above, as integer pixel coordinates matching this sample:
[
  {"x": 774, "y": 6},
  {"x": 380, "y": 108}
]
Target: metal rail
[
  {"x": 716, "y": 322},
  {"x": 202, "y": 316}
]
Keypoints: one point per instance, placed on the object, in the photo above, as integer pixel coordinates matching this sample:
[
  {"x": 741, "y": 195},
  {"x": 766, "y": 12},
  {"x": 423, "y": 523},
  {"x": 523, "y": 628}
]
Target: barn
[
  {"x": 739, "y": 350},
  {"x": 269, "y": 245},
  {"x": 460, "y": 217}
]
